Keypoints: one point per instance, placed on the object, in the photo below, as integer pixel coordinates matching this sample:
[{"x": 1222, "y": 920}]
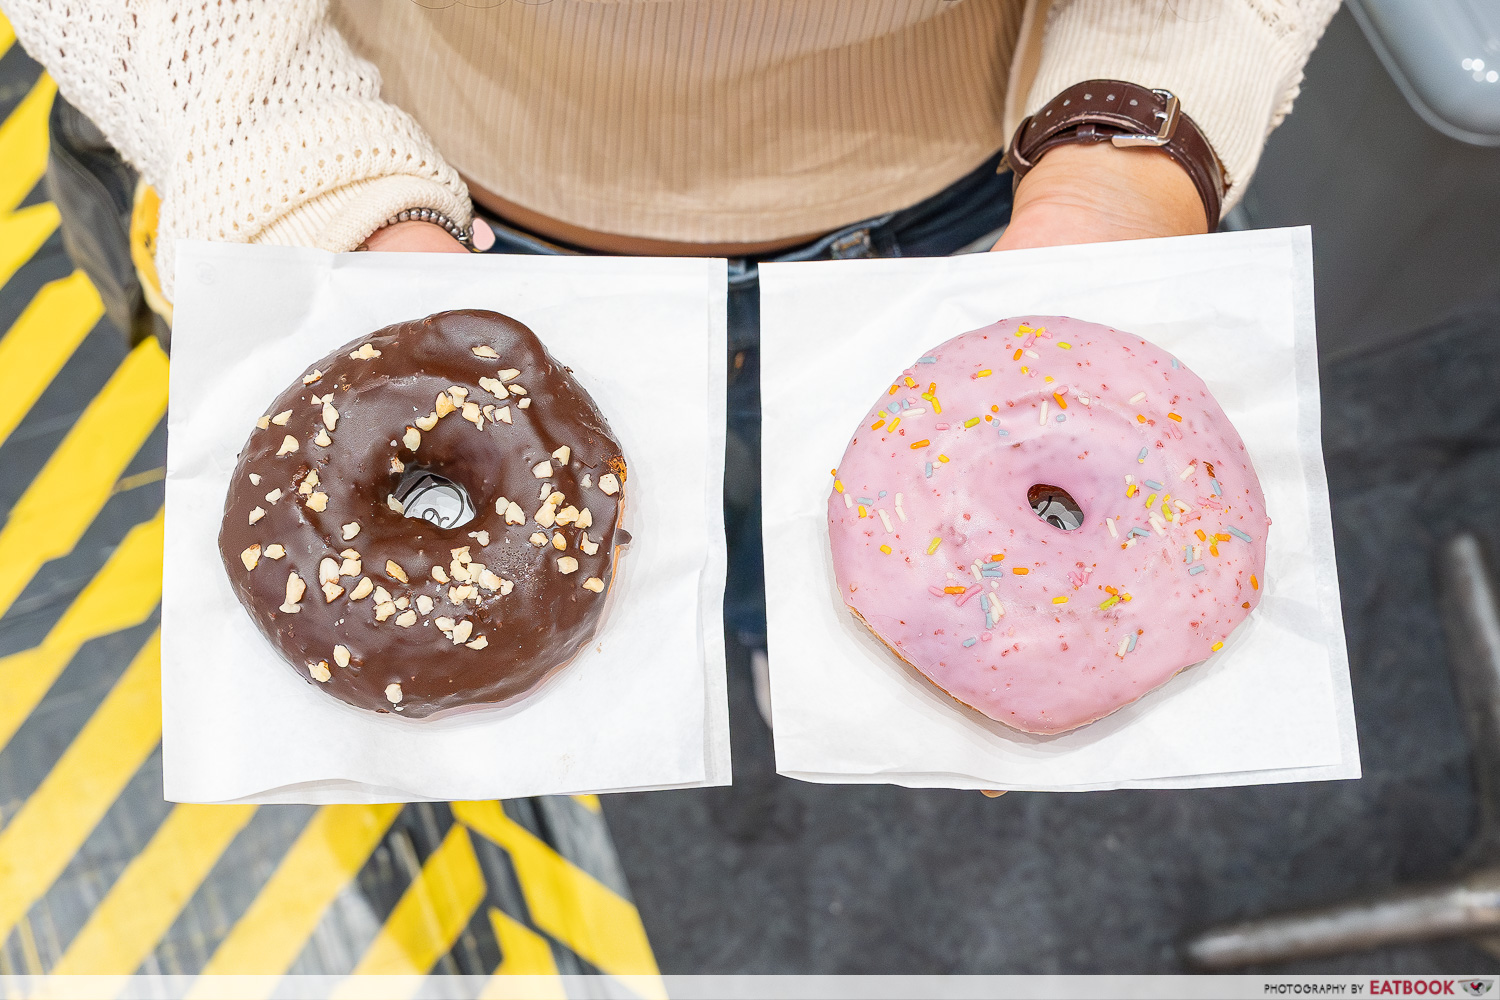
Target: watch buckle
[{"x": 1164, "y": 133}]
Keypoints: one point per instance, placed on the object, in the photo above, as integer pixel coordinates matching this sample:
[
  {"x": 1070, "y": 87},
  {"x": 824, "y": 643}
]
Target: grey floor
[{"x": 773, "y": 875}]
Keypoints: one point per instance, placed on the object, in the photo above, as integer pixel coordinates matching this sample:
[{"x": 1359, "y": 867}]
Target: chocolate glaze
[{"x": 535, "y": 619}]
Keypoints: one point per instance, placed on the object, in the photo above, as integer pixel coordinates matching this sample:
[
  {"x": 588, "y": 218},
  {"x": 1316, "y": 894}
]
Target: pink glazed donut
[{"x": 1048, "y": 518}]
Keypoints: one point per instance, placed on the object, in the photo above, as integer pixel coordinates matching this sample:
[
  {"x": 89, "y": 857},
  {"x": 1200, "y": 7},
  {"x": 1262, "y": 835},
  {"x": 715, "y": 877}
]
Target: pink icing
[{"x": 1041, "y": 664}]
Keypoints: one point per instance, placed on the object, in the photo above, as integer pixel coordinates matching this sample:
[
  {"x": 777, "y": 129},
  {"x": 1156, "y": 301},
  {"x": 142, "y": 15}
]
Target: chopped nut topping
[
  {"x": 489, "y": 411},
  {"x": 319, "y": 671},
  {"x": 328, "y": 569},
  {"x": 460, "y": 594},
  {"x": 322, "y": 440},
  {"x": 484, "y": 351},
  {"x": 384, "y": 610},
  {"x": 308, "y": 482},
  {"x": 251, "y": 556},
  {"x": 257, "y": 514},
  {"x": 595, "y": 584},
  {"x": 566, "y": 565},
  {"x": 350, "y": 530},
  {"x": 424, "y": 604},
  {"x": 341, "y": 655},
  {"x": 609, "y": 484},
  {"x": 546, "y": 492},
  {"x": 489, "y": 580},
  {"x": 254, "y": 479},
  {"x": 393, "y": 693},
  {"x": 567, "y": 515},
  {"x": 351, "y": 566},
  {"x": 395, "y": 571},
  {"x": 330, "y": 417},
  {"x": 491, "y": 386},
  {"x": 350, "y": 554},
  {"x": 547, "y": 515},
  {"x": 479, "y": 643},
  {"x": 311, "y": 377},
  {"x": 461, "y": 554},
  {"x": 317, "y": 502},
  {"x": 397, "y": 466},
  {"x": 514, "y": 514},
  {"x": 274, "y": 551},
  {"x": 555, "y": 498},
  {"x": 444, "y": 404},
  {"x": 538, "y": 539},
  {"x": 288, "y": 445},
  {"x": 558, "y": 541},
  {"x": 407, "y": 618},
  {"x": 281, "y": 418},
  {"x": 523, "y": 404},
  {"x": 562, "y": 454},
  {"x": 503, "y": 415},
  {"x": 459, "y": 394},
  {"x": 361, "y": 589},
  {"x": 588, "y": 545},
  {"x": 364, "y": 352},
  {"x": 444, "y": 623},
  {"x": 382, "y": 596},
  {"x": 587, "y": 481},
  {"x": 394, "y": 504},
  {"x": 273, "y": 496},
  {"x": 439, "y": 574},
  {"x": 426, "y": 423},
  {"x": 263, "y": 422},
  {"x": 462, "y": 631},
  {"x": 585, "y": 518},
  {"x": 295, "y": 588},
  {"x": 330, "y": 591},
  {"x": 460, "y": 571},
  {"x": 482, "y": 537},
  {"x": 508, "y": 373},
  {"x": 506, "y": 587},
  {"x": 412, "y": 438},
  {"x": 403, "y": 602},
  {"x": 472, "y": 415},
  {"x": 542, "y": 469}
]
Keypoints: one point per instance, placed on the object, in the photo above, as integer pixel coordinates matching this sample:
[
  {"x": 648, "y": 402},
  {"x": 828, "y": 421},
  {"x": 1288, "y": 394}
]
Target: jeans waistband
[{"x": 967, "y": 210}]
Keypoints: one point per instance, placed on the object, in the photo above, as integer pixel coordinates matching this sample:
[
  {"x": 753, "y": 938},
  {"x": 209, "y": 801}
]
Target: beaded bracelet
[{"x": 464, "y": 235}]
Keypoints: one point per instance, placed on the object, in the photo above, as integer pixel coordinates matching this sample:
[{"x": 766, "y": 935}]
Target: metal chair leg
[{"x": 1466, "y": 906}]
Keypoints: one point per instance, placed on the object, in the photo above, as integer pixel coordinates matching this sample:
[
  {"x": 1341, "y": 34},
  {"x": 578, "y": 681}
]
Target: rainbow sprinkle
[
  {"x": 1061, "y": 599},
  {"x": 1153, "y": 484},
  {"x": 1141, "y": 458},
  {"x": 929, "y": 360},
  {"x": 1217, "y": 646},
  {"x": 1237, "y": 533},
  {"x": 1195, "y": 570},
  {"x": 920, "y": 444},
  {"x": 886, "y": 549},
  {"x": 1065, "y": 345},
  {"x": 971, "y": 640},
  {"x": 933, "y": 546}
]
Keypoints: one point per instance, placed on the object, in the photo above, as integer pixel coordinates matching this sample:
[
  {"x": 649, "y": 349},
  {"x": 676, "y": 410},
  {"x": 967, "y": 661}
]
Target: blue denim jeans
[{"x": 952, "y": 220}]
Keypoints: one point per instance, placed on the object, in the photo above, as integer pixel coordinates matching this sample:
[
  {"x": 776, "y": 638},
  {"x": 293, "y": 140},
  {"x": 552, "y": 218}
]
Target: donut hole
[
  {"x": 1054, "y": 505},
  {"x": 429, "y": 496}
]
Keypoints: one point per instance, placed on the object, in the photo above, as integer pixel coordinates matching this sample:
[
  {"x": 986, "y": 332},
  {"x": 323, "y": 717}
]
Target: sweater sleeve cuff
[
  {"x": 1235, "y": 72},
  {"x": 341, "y": 219}
]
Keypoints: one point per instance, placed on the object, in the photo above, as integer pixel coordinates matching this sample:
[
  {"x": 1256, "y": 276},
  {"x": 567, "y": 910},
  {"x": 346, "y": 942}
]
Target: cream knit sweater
[{"x": 694, "y": 120}]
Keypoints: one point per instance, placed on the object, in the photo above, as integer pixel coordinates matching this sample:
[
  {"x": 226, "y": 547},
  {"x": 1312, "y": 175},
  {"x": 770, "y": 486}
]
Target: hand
[
  {"x": 1097, "y": 193},
  {"x": 418, "y": 237}
]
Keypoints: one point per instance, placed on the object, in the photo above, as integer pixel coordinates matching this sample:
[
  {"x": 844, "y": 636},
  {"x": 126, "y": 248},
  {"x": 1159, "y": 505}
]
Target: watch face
[{"x": 435, "y": 499}]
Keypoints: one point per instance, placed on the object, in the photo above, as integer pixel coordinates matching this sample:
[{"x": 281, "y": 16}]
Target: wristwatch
[{"x": 1123, "y": 114}]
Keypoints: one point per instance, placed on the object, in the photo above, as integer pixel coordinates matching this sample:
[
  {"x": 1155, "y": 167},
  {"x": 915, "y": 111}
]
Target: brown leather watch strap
[{"x": 1125, "y": 114}]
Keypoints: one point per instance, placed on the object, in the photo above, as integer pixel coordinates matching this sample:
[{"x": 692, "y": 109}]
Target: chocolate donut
[{"x": 347, "y": 530}]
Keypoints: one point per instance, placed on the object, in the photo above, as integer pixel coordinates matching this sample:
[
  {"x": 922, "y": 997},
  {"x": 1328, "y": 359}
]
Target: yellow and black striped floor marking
[{"x": 98, "y": 874}]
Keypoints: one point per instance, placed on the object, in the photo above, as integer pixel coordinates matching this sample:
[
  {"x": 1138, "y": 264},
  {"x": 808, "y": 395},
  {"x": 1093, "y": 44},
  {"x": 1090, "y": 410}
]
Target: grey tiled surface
[{"x": 774, "y": 875}]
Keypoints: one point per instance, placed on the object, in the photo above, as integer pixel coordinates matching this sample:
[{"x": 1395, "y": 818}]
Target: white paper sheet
[
  {"x": 1237, "y": 308},
  {"x": 644, "y": 706}
]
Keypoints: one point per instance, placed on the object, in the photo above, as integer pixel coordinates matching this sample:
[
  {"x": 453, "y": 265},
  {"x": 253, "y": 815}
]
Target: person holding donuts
[{"x": 752, "y": 129}]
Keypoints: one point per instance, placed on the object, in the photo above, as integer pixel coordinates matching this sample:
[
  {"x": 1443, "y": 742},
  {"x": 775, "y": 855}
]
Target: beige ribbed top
[{"x": 692, "y": 120}]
